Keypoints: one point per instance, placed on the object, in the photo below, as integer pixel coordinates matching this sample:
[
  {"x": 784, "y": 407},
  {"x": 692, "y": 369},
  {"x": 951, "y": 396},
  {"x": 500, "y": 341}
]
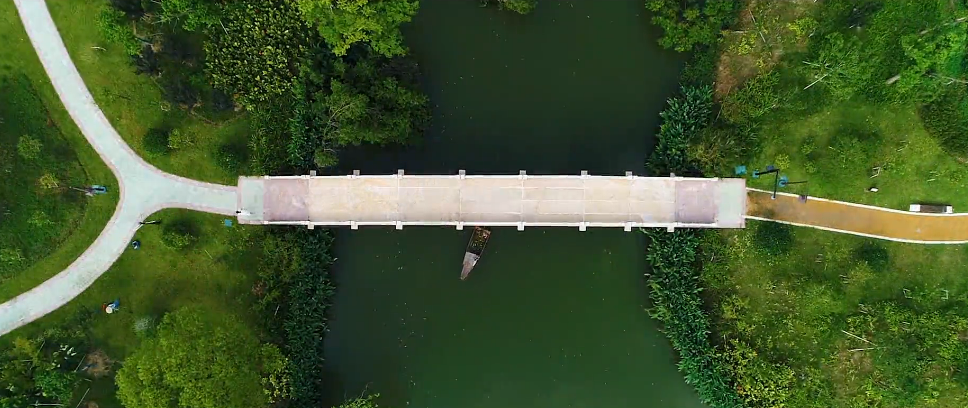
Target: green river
[{"x": 550, "y": 317}]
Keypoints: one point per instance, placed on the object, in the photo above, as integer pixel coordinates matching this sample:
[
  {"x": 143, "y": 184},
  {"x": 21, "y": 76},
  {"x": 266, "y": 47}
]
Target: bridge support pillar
[
  {"x": 460, "y": 226},
  {"x": 582, "y": 226},
  {"x": 399, "y": 225},
  {"x": 462, "y": 173},
  {"x": 628, "y": 227},
  {"x": 522, "y": 174},
  {"x": 520, "y": 226},
  {"x": 670, "y": 229},
  {"x": 353, "y": 225},
  {"x": 310, "y": 225}
]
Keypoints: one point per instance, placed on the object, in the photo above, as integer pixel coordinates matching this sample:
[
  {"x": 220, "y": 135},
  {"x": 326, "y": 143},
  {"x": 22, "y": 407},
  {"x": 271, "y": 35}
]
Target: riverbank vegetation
[{"x": 845, "y": 96}]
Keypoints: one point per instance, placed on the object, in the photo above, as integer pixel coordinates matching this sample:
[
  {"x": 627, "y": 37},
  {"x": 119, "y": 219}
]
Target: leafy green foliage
[
  {"x": 256, "y": 51},
  {"x": 756, "y": 98},
  {"x": 674, "y": 289},
  {"x": 190, "y": 14},
  {"x": 682, "y": 120},
  {"x": 690, "y": 23},
  {"x": 518, "y": 6},
  {"x": 774, "y": 238},
  {"x": 178, "y": 139},
  {"x": 343, "y": 23},
  {"x": 113, "y": 25},
  {"x": 40, "y": 370},
  {"x": 758, "y": 382},
  {"x": 946, "y": 119},
  {"x": 874, "y": 254},
  {"x": 156, "y": 142},
  {"x": 195, "y": 361},
  {"x": 368, "y": 401},
  {"x": 29, "y": 147},
  {"x": 310, "y": 294}
]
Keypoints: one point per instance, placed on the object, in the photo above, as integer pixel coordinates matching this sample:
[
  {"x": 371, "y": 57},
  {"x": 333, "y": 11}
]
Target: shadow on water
[{"x": 550, "y": 317}]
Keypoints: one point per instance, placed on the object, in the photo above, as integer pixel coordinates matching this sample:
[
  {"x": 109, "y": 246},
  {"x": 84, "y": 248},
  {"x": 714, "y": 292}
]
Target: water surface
[{"x": 550, "y": 317}]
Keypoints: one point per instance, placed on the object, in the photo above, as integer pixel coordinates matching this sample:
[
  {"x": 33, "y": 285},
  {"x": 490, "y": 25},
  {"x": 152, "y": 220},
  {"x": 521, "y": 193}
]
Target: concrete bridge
[{"x": 522, "y": 200}]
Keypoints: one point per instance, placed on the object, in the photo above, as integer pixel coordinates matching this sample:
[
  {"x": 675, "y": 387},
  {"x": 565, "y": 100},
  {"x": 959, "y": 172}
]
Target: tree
[
  {"x": 257, "y": 50},
  {"x": 343, "y": 23},
  {"x": 29, "y": 147},
  {"x": 190, "y": 14},
  {"x": 690, "y": 23},
  {"x": 194, "y": 361},
  {"x": 113, "y": 25}
]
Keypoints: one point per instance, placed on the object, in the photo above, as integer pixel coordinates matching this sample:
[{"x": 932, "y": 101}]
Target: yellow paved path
[{"x": 857, "y": 219}]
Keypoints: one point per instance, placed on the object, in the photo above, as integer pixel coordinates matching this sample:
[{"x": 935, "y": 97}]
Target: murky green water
[{"x": 550, "y": 317}]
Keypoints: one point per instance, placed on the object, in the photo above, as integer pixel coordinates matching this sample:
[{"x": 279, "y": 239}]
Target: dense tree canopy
[
  {"x": 343, "y": 23},
  {"x": 256, "y": 51},
  {"x": 39, "y": 370},
  {"x": 194, "y": 361},
  {"x": 689, "y": 23}
]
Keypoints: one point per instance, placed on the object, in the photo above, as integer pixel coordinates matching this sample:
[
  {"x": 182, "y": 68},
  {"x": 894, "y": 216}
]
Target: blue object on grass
[
  {"x": 740, "y": 170},
  {"x": 784, "y": 180},
  {"x": 136, "y": 244},
  {"x": 770, "y": 168},
  {"x": 756, "y": 174},
  {"x": 227, "y": 222},
  {"x": 99, "y": 189}
]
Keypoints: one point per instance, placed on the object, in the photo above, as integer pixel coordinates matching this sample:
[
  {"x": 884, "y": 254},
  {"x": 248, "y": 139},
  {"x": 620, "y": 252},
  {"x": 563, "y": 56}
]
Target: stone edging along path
[
  {"x": 858, "y": 219},
  {"x": 143, "y": 188}
]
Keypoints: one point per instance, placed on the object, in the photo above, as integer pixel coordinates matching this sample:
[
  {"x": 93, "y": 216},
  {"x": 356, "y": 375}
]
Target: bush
[
  {"x": 29, "y": 147},
  {"x": 230, "y": 157},
  {"x": 674, "y": 289},
  {"x": 180, "y": 140},
  {"x": 518, "y": 6},
  {"x": 757, "y": 97},
  {"x": 113, "y": 25},
  {"x": 774, "y": 238},
  {"x": 682, "y": 120},
  {"x": 874, "y": 254},
  {"x": 946, "y": 119},
  {"x": 687, "y": 24},
  {"x": 156, "y": 142}
]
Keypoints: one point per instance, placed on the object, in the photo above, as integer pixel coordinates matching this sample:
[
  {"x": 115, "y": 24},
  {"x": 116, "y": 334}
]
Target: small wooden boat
[{"x": 475, "y": 247}]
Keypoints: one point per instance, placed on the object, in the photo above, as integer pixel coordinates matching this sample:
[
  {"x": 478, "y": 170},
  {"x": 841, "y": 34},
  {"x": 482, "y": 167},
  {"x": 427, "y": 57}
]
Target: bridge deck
[{"x": 577, "y": 201}]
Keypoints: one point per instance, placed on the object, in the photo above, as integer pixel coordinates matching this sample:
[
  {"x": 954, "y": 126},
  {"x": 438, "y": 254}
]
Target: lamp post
[{"x": 776, "y": 178}]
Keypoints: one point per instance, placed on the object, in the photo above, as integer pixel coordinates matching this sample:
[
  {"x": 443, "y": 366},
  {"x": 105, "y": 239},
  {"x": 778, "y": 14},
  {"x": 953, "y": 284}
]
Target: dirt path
[{"x": 858, "y": 219}]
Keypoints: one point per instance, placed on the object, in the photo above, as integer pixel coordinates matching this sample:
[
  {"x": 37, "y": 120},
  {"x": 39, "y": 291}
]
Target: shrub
[
  {"x": 230, "y": 158},
  {"x": 113, "y": 25},
  {"x": 29, "y": 147},
  {"x": 874, "y": 254},
  {"x": 757, "y": 97},
  {"x": 180, "y": 140},
  {"x": 774, "y": 238},
  {"x": 684, "y": 118},
  {"x": 674, "y": 289},
  {"x": 48, "y": 181},
  {"x": 687, "y": 24},
  {"x": 946, "y": 119},
  {"x": 156, "y": 142},
  {"x": 518, "y": 6}
]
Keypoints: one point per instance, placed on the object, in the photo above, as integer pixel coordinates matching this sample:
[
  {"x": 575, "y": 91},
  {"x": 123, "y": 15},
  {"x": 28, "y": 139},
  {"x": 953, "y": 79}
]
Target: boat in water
[{"x": 475, "y": 247}]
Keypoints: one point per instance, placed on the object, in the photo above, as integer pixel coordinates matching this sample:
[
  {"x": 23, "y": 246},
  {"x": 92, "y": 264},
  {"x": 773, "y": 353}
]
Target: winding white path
[{"x": 143, "y": 188}]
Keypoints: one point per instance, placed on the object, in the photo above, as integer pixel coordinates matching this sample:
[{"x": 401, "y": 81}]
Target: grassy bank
[{"x": 844, "y": 98}]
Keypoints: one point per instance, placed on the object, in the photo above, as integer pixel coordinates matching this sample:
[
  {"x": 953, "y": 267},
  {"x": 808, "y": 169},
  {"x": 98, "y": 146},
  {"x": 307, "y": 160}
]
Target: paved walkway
[
  {"x": 859, "y": 219},
  {"x": 143, "y": 188}
]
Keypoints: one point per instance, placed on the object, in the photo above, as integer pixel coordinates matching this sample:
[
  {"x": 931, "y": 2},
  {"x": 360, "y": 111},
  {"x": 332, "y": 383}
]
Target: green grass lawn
[
  {"x": 837, "y": 149},
  {"x": 134, "y": 103}
]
